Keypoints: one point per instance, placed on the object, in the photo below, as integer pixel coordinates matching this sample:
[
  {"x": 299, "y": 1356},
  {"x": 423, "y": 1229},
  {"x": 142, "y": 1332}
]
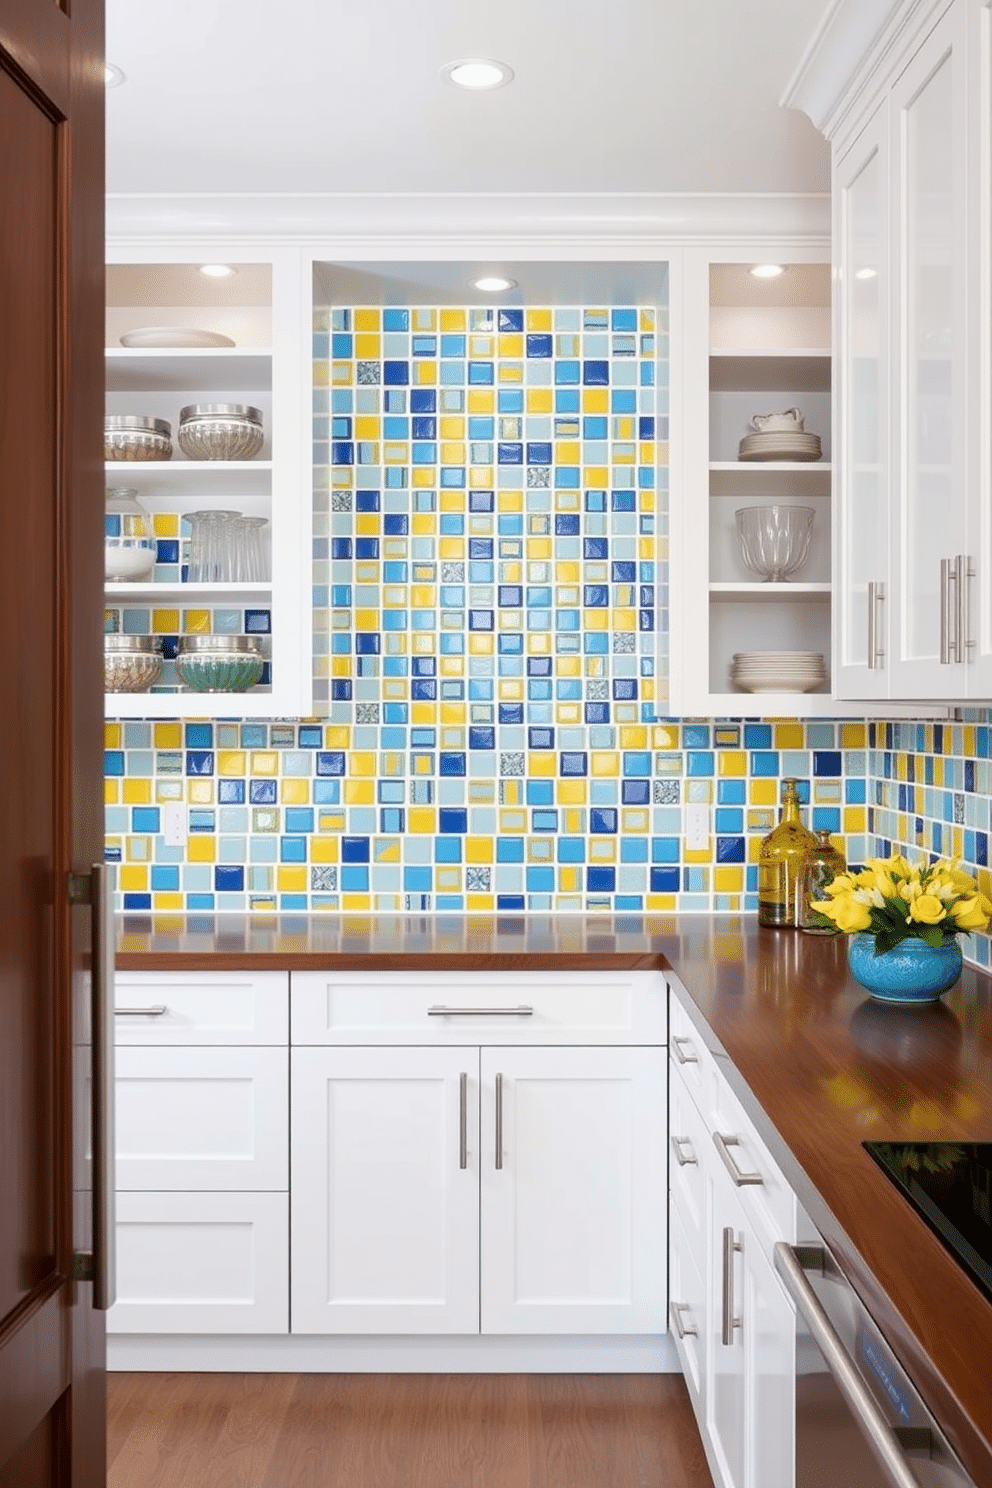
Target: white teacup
[{"x": 789, "y": 422}]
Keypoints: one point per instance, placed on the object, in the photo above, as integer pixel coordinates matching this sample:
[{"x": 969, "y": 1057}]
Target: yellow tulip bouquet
[{"x": 895, "y": 899}]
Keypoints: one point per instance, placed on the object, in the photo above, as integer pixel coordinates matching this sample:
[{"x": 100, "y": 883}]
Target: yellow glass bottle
[
  {"x": 781, "y": 861},
  {"x": 822, "y": 866}
]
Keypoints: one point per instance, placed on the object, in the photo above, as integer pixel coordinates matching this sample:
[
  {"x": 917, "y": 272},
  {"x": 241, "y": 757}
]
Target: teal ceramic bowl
[
  {"x": 912, "y": 973},
  {"x": 219, "y": 664}
]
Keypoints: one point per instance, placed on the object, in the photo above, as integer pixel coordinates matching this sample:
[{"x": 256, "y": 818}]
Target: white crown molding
[
  {"x": 849, "y": 52},
  {"x": 456, "y": 225}
]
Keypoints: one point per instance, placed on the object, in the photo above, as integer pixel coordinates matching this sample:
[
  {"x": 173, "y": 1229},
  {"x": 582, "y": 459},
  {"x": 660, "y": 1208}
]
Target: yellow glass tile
[
  {"x": 697, "y": 854},
  {"x": 854, "y": 819},
  {"x": 568, "y": 713},
  {"x": 264, "y": 762},
  {"x": 479, "y": 850},
  {"x": 663, "y": 452},
  {"x": 542, "y": 763},
  {"x": 573, "y": 794},
  {"x": 340, "y": 666},
  {"x": 422, "y": 596},
  {"x": 452, "y": 713},
  {"x": 387, "y": 850},
  {"x": 137, "y": 792},
  {"x": 596, "y": 620},
  {"x": 570, "y": 877},
  {"x": 291, "y": 878},
  {"x": 569, "y": 666},
  {"x": 452, "y": 453},
  {"x": 111, "y": 790},
  {"x": 294, "y": 791},
  {"x": 452, "y": 666},
  {"x": 595, "y": 400},
  {"x": 596, "y": 477},
  {"x": 366, "y": 319},
  {"x": 362, "y": 762},
  {"x": 423, "y": 476},
  {"x": 324, "y": 849},
  {"x": 511, "y": 501},
  {"x": 368, "y": 346},
  {"x": 452, "y": 319},
  {"x": 634, "y": 736},
  {"x": 540, "y": 400},
  {"x": 162, "y": 901},
  {"x": 511, "y": 690},
  {"x": 425, "y": 373},
  {"x": 511, "y": 573},
  {"x": 480, "y": 903},
  {"x": 165, "y": 524},
  {"x": 658, "y": 903},
  {"x": 539, "y": 643},
  {"x": 452, "y": 426},
  {"x": 200, "y": 792},
  {"x": 421, "y": 819},
  {"x": 510, "y": 372},
  {"x": 728, "y": 879},
  {"x": 201, "y": 848},
  {"x": 321, "y": 374},
  {"x": 511, "y": 344},
  {"x": 367, "y": 524},
  {"x": 132, "y": 877},
  {"x": 165, "y": 622},
  {"x": 481, "y": 400},
  {"x": 645, "y": 452},
  {"x": 368, "y": 428},
  {"x": 731, "y": 762},
  {"x": 423, "y": 645},
  {"x": 366, "y": 619},
  {"x": 763, "y": 792},
  {"x": 789, "y": 736},
  {"x": 567, "y": 452},
  {"x": 113, "y": 733},
  {"x": 604, "y": 763},
  {"x": 538, "y": 319},
  {"x": 539, "y": 547}
]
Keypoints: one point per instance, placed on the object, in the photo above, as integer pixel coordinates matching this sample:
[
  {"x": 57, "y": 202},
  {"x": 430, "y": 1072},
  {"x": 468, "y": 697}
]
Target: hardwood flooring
[{"x": 402, "y": 1431}]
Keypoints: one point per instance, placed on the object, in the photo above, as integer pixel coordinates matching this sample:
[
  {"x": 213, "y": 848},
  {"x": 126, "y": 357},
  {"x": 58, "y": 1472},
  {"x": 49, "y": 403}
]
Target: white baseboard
[{"x": 634, "y": 1354}]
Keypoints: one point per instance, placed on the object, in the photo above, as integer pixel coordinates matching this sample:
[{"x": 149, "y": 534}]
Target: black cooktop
[{"x": 950, "y": 1185}]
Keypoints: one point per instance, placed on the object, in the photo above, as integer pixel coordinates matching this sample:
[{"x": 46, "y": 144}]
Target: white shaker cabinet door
[
  {"x": 385, "y": 1184},
  {"x": 574, "y": 1190}
]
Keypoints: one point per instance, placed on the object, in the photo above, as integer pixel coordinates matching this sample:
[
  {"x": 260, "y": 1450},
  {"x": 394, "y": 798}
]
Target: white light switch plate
[
  {"x": 697, "y": 825},
  {"x": 174, "y": 824}
]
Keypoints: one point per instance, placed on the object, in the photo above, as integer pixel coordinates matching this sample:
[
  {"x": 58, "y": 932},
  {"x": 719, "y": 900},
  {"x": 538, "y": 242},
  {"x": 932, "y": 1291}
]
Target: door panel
[{"x": 51, "y": 251}]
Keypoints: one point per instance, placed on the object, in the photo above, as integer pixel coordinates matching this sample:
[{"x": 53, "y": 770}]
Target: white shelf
[
  {"x": 187, "y": 593},
  {"x": 771, "y": 467},
  {"x": 769, "y": 369},
  {"x": 165, "y": 480},
  {"x": 779, "y": 705},
  {"x": 171, "y": 370},
  {"x": 766, "y": 593}
]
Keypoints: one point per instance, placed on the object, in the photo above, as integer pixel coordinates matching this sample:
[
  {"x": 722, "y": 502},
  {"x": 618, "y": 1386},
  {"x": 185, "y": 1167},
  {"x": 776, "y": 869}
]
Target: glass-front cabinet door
[
  {"x": 931, "y": 580},
  {"x": 863, "y": 423}
]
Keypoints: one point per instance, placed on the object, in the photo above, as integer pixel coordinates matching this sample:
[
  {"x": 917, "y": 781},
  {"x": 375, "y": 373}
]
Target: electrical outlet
[
  {"x": 174, "y": 824},
  {"x": 697, "y": 825}
]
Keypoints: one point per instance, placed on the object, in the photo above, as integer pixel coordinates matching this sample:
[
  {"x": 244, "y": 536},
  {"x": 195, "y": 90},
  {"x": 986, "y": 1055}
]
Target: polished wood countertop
[{"x": 819, "y": 1066}]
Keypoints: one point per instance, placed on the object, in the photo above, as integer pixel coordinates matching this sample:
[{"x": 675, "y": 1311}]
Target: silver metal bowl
[
  {"x": 133, "y": 437},
  {"x": 220, "y": 431},
  {"x": 219, "y": 663},
  {"x": 131, "y": 663}
]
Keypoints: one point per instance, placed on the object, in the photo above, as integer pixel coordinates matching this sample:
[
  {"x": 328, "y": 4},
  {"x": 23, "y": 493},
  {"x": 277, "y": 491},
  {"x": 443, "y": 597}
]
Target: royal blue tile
[
  {"x": 601, "y": 880},
  {"x": 509, "y": 319},
  {"x": 137, "y": 901},
  {"x": 596, "y": 373},
  {"x": 827, "y": 762},
  {"x": 730, "y": 850},
  {"x": 664, "y": 880},
  {"x": 602, "y": 820},
  {"x": 451, "y": 763},
  {"x": 199, "y": 762}
]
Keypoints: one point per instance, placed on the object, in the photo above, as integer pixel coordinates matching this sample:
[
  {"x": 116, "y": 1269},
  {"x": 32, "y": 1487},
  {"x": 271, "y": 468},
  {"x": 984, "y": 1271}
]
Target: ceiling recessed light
[
  {"x": 217, "y": 271},
  {"x": 477, "y": 73},
  {"x": 866, "y": 273},
  {"x": 767, "y": 271},
  {"x": 493, "y": 283},
  {"x": 112, "y": 76}
]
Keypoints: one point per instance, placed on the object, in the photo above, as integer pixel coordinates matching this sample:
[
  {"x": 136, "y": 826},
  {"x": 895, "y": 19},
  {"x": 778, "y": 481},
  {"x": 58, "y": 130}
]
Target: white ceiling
[{"x": 345, "y": 96}]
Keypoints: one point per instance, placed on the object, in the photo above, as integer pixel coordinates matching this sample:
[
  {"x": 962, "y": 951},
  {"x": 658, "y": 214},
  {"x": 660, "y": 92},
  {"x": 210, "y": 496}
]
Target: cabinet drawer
[
  {"x": 201, "y": 1007},
  {"x": 691, "y": 1057},
  {"x": 506, "y": 1008},
  {"x": 202, "y": 1118},
  {"x": 689, "y": 1150},
  {"x": 201, "y": 1263},
  {"x": 687, "y": 1310},
  {"x": 769, "y": 1204}
]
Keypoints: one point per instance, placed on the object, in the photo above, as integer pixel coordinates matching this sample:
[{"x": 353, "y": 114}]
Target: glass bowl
[
  {"x": 134, "y": 437},
  {"x": 774, "y": 539},
  {"x": 131, "y": 663},
  {"x": 220, "y": 431},
  {"x": 219, "y": 663}
]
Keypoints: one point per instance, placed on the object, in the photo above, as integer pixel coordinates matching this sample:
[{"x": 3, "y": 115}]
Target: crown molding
[
  {"x": 449, "y": 225},
  {"x": 853, "y": 47}
]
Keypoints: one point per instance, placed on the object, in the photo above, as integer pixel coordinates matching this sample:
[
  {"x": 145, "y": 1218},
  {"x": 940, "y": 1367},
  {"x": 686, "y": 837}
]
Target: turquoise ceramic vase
[{"x": 911, "y": 973}]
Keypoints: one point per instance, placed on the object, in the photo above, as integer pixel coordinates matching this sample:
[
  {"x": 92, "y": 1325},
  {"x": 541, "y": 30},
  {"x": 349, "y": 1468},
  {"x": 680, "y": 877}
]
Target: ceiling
[{"x": 345, "y": 96}]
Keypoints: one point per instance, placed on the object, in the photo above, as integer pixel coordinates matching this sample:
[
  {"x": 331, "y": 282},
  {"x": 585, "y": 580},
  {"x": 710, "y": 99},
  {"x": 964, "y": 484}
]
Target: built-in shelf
[
  {"x": 171, "y": 480},
  {"x": 173, "y": 370},
  {"x": 186, "y": 593},
  {"x": 769, "y": 592},
  {"x": 768, "y": 369}
]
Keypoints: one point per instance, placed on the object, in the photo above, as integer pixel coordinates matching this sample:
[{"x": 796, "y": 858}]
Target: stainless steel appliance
[{"x": 860, "y": 1423}]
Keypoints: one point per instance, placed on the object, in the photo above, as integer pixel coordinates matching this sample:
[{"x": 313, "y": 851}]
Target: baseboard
[{"x": 633, "y": 1354}]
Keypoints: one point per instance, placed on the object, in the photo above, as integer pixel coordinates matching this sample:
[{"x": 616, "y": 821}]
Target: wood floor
[{"x": 402, "y": 1431}]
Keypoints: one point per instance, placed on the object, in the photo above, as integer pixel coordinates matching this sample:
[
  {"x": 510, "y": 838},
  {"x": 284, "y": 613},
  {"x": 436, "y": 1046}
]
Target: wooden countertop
[{"x": 819, "y": 1066}]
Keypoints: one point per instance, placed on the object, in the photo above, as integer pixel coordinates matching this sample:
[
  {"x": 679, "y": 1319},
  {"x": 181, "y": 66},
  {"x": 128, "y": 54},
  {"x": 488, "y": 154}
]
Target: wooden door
[
  {"x": 385, "y": 1190},
  {"x": 574, "y": 1190},
  {"x": 51, "y": 334}
]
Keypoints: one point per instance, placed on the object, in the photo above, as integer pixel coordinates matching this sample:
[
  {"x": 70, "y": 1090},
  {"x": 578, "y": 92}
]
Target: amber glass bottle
[
  {"x": 781, "y": 861},
  {"x": 821, "y": 868}
]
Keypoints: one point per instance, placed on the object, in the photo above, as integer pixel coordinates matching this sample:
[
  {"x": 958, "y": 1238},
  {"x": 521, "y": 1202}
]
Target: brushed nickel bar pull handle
[
  {"x": 945, "y": 625},
  {"x": 499, "y": 1122},
  {"x": 966, "y": 572},
  {"x": 682, "y": 1330},
  {"x": 681, "y": 1144},
  {"x": 463, "y": 1120},
  {"x": 102, "y": 976},
  {"x": 723, "y": 1146},
  {"x": 729, "y": 1321},
  {"x": 439, "y": 1011},
  {"x": 876, "y": 597},
  {"x": 791, "y": 1263},
  {"x": 158, "y": 1010},
  {"x": 691, "y": 1058}
]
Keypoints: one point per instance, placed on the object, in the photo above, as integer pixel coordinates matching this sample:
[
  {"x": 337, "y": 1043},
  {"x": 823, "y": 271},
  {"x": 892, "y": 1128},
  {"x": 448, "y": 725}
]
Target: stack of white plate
[
  {"x": 778, "y": 671},
  {"x": 788, "y": 444}
]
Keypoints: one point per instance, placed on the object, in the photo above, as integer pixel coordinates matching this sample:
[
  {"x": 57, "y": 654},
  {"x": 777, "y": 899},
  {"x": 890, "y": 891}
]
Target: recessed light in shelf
[
  {"x": 477, "y": 73},
  {"x": 767, "y": 271},
  {"x": 217, "y": 271},
  {"x": 493, "y": 283}
]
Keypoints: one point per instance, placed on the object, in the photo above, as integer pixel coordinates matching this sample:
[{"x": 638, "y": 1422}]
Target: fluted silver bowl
[
  {"x": 220, "y": 431},
  {"x": 219, "y": 663},
  {"x": 130, "y": 663},
  {"x": 133, "y": 437}
]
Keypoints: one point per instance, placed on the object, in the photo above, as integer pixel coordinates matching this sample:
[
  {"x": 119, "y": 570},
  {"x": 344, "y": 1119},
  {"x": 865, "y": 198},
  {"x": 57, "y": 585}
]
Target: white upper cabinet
[
  {"x": 913, "y": 560},
  {"x": 168, "y": 314}
]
